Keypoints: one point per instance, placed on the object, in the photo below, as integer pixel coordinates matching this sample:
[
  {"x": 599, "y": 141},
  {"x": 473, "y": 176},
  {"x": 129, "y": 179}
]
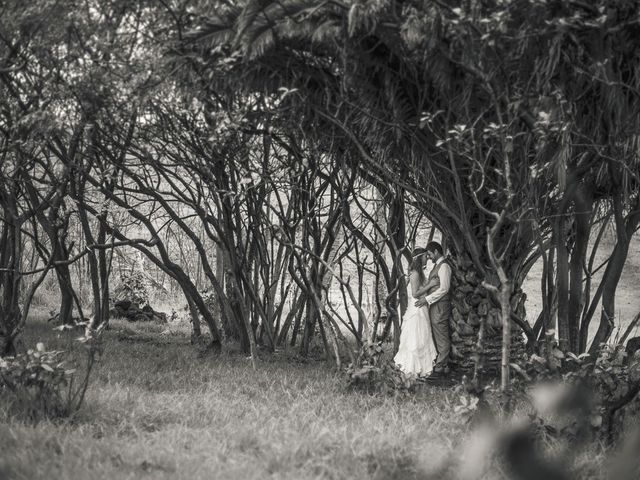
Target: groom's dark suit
[{"x": 439, "y": 301}]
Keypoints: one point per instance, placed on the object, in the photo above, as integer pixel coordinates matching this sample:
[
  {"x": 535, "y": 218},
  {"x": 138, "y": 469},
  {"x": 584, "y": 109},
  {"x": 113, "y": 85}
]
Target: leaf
[
  {"x": 62, "y": 328},
  {"x": 47, "y": 367},
  {"x": 520, "y": 370},
  {"x": 538, "y": 359},
  {"x": 40, "y": 347},
  {"x": 596, "y": 421}
]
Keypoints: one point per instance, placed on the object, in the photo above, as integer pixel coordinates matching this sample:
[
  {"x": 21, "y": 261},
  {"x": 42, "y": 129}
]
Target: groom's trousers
[{"x": 439, "y": 314}]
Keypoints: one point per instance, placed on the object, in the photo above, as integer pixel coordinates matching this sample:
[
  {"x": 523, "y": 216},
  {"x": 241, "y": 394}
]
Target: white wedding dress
[{"x": 417, "y": 351}]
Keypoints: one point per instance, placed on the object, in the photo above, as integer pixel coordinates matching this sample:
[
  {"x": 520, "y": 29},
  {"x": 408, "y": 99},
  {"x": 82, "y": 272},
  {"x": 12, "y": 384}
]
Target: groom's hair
[{"x": 434, "y": 247}]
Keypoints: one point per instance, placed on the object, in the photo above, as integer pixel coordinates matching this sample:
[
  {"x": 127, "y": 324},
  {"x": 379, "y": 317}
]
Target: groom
[{"x": 439, "y": 301}]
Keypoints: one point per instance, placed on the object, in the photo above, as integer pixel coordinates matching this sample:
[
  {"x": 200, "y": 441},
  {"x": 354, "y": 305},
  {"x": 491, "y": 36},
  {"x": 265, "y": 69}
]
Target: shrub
[
  {"x": 133, "y": 286},
  {"x": 32, "y": 383},
  {"x": 589, "y": 394},
  {"x": 568, "y": 396},
  {"x": 373, "y": 372},
  {"x": 39, "y": 384}
]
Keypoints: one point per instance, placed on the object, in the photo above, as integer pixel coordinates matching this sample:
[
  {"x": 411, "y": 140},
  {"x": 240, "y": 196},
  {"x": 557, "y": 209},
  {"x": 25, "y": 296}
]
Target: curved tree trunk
[{"x": 625, "y": 228}]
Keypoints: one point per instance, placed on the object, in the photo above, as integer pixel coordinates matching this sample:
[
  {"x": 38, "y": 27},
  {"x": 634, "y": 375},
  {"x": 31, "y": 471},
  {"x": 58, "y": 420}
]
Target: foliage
[
  {"x": 33, "y": 382},
  {"x": 253, "y": 134},
  {"x": 134, "y": 287},
  {"x": 374, "y": 373},
  {"x": 211, "y": 300},
  {"x": 567, "y": 396},
  {"x": 39, "y": 384},
  {"x": 580, "y": 392},
  {"x": 516, "y": 109}
]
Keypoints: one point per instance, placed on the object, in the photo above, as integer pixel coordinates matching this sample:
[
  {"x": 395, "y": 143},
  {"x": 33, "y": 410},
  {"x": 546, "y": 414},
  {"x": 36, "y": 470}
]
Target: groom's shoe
[{"x": 439, "y": 376}]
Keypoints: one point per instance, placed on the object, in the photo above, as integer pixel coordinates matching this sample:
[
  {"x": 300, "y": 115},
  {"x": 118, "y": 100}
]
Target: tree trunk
[
  {"x": 473, "y": 305},
  {"x": 10, "y": 262},
  {"x": 625, "y": 228},
  {"x": 583, "y": 205},
  {"x": 562, "y": 290},
  {"x": 66, "y": 297},
  {"x": 505, "y": 310}
]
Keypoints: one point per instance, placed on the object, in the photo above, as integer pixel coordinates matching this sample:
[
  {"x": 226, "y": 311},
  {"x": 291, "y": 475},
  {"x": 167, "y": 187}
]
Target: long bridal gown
[{"x": 417, "y": 351}]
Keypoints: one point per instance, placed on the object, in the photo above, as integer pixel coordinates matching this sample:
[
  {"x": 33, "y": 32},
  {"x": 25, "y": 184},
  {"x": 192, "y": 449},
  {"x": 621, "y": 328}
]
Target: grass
[{"x": 156, "y": 409}]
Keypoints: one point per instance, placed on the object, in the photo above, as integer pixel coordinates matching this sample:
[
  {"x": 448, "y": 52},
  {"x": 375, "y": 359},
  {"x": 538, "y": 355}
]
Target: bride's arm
[
  {"x": 423, "y": 289},
  {"x": 414, "y": 281}
]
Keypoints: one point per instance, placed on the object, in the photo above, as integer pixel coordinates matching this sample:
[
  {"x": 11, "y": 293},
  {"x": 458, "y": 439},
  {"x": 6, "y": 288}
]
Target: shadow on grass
[{"x": 392, "y": 466}]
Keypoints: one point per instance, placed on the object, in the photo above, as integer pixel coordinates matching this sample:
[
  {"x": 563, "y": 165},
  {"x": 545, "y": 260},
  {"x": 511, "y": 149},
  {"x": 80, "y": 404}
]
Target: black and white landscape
[{"x": 308, "y": 239}]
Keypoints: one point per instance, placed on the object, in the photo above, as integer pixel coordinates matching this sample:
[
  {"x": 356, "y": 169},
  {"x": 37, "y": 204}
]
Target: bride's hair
[{"x": 417, "y": 262}]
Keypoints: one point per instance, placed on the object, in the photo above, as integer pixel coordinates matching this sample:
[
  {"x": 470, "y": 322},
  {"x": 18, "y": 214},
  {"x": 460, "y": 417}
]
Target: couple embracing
[{"x": 425, "y": 343}]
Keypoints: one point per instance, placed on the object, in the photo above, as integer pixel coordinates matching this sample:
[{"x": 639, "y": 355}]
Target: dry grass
[{"x": 157, "y": 410}]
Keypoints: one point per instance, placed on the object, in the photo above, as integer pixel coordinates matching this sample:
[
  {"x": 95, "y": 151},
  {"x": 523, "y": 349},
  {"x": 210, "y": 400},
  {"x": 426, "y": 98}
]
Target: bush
[
  {"x": 39, "y": 384},
  {"x": 133, "y": 286},
  {"x": 560, "y": 409},
  {"x": 373, "y": 373},
  {"x": 588, "y": 394},
  {"x": 568, "y": 396},
  {"x": 32, "y": 383}
]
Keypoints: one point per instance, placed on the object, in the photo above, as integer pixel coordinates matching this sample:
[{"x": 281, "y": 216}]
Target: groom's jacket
[{"x": 440, "y": 291}]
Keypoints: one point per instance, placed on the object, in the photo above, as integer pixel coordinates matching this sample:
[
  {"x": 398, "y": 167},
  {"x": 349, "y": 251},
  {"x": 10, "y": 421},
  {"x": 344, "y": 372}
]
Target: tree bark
[
  {"x": 582, "y": 223},
  {"x": 562, "y": 281},
  {"x": 625, "y": 228}
]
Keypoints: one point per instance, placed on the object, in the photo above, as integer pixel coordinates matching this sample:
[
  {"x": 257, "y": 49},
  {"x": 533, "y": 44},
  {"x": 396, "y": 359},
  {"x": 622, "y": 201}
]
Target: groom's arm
[
  {"x": 422, "y": 291},
  {"x": 422, "y": 302}
]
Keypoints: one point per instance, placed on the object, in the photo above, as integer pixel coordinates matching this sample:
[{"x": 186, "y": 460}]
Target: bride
[{"x": 417, "y": 351}]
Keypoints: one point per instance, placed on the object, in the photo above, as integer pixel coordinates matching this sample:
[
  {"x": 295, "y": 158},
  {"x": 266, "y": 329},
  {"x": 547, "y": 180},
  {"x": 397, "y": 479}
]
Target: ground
[{"x": 157, "y": 410}]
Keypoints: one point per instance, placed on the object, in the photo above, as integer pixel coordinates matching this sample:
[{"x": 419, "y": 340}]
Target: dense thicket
[{"x": 513, "y": 125}]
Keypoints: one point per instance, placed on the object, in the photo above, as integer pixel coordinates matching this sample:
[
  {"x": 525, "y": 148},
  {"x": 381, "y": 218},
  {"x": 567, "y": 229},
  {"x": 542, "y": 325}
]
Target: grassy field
[{"x": 157, "y": 410}]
